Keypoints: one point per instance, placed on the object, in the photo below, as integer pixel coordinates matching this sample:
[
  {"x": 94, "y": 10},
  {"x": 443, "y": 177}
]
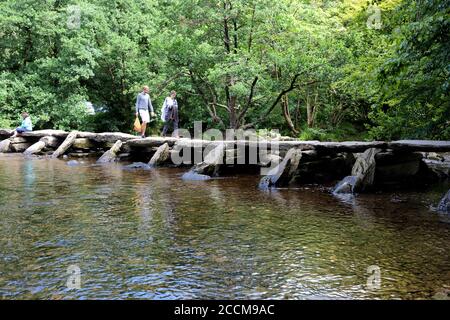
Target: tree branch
[
  {"x": 249, "y": 101},
  {"x": 277, "y": 100},
  {"x": 164, "y": 85},
  {"x": 226, "y": 35},
  {"x": 281, "y": 94},
  {"x": 219, "y": 105},
  {"x": 212, "y": 111},
  {"x": 250, "y": 37}
]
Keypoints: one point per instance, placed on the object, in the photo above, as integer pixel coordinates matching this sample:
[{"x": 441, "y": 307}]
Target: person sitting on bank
[
  {"x": 169, "y": 114},
  {"x": 25, "y": 126},
  {"x": 143, "y": 105}
]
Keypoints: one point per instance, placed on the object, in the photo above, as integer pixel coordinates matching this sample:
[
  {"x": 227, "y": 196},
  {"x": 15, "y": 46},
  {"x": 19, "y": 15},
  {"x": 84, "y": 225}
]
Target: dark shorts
[{"x": 21, "y": 130}]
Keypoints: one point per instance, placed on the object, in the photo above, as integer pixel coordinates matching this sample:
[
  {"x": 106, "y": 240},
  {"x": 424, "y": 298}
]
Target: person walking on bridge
[
  {"x": 143, "y": 106},
  {"x": 169, "y": 114}
]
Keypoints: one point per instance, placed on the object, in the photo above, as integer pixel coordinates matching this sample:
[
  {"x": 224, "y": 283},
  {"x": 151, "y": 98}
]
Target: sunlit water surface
[{"x": 149, "y": 234}]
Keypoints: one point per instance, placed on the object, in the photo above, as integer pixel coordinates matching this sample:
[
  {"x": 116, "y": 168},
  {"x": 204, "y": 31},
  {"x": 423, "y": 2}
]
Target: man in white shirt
[{"x": 143, "y": 105}]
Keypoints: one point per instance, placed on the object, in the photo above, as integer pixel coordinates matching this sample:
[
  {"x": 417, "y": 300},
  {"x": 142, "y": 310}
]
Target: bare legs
[
  {"x": 17, "y": 133},
  {"x": 143, "y": 128}
]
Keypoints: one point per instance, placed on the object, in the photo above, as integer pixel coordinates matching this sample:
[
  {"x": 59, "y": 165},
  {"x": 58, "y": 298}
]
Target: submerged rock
[
  {"x": 283, "y": 173},
  {"x": 444, "y": 204},
  {"x": 191, "y": 175},
  {"x": 212, "y": 162},
  {"x": 364, "y": 167},
  {"x": 363, "y": 173},
  {"x": 161, "y": 155},
  {"x": 439, "y": 169},
  {"x": 111, "y": 154},
  {"x": 73, "y": 163},
  {"x": 434, "y": 156},
  {"x": 5, "y": 145},
  {"x": 138, "y": 165},
  {"x": 347, "y": 185}
]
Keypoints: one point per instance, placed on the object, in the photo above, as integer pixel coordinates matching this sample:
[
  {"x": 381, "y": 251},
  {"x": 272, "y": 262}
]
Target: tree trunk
[
  {"x": 232, "y": 109},
  {"x": 309, "y": 111},
  {"x": 231, "y": 99},
  {"x": 286, "y": 114},
  {"x": 311, "y": 106}
]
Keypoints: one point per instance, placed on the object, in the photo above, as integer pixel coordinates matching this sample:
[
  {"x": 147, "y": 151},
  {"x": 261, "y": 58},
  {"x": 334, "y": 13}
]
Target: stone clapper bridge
[{"x": 359, "y": 166}]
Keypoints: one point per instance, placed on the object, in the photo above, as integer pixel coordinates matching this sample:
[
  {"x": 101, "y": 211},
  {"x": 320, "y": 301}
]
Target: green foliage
[
  {"x": 307, "y": 68},
  {"x": 414, "y": 99},
  {"x": 344, "y": 132},
  {"x": 6, "y": 123},
  {"x": 313, "y": 134}
]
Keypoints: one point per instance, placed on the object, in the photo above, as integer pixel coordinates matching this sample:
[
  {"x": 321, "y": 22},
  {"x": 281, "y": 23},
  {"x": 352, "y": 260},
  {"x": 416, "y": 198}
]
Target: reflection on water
[{"x": 150, "y": 234}]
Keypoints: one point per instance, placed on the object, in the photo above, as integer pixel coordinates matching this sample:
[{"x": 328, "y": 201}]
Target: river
[{"x": 148, "y": 234}]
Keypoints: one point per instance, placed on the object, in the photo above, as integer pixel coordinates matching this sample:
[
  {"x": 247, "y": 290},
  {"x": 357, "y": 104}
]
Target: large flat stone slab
[
  {"x": 6, "y": 132},
  {"x": 45, "y": 133},
  {"x": 420, "y": 145},
  {"x": 106, "y": 136},
  {"x": 150, "y": 142},
  {"x": 349, "y": 146},
  {"x": 322, "y": 147}
]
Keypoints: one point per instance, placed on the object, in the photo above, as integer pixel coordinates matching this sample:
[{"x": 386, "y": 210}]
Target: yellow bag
[{"x": 137, "y": 125}]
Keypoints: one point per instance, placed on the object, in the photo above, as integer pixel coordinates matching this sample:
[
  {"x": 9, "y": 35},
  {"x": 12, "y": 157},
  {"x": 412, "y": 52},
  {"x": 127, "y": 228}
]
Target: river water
[{"x": 149, "y": 234}]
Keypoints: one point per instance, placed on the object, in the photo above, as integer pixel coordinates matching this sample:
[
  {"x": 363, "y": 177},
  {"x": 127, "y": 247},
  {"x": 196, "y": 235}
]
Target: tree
[
  {"x": 307, "y": 67},
  {"x": 414, "y": 79}
]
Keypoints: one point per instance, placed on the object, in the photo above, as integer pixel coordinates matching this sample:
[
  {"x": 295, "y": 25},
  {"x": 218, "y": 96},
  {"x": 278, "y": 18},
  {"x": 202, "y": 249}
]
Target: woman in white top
[{"x": 169, "y": 114}]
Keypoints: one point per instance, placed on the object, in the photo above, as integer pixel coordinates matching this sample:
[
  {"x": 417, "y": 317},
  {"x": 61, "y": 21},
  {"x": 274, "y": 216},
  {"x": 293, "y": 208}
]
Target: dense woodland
[{"x": 314, "y": 69}]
